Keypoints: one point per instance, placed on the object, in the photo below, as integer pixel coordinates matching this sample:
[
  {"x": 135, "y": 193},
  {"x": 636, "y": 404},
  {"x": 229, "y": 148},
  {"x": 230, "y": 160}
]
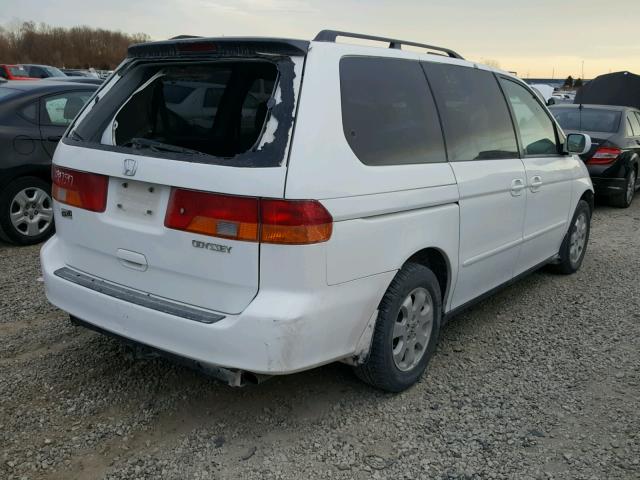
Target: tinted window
[
  {"x": 537, "y": 131},
  {"x": 388, "y": 113},
  {"x": 3, "y": 73},
  {"x": 36, "y": 72},
  {"x": 634, "y": 124},
  {"x": 61, "y": 109},
  {"x": 476, "y": 119},
  {"x": 587, "y": 119}
]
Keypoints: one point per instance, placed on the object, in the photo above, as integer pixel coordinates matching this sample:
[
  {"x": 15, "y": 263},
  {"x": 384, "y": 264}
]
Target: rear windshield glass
[
  {"x": 208, "y": 112},
  {"x": 18, "y": 71},
  {"x": 587, "y": 119}
]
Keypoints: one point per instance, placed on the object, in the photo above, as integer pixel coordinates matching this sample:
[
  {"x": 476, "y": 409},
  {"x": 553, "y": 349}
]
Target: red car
[{"x": 14, "y": 72}]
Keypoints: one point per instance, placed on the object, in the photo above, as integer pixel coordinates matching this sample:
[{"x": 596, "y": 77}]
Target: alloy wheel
[
  {"x": 412, "y": 329},
  {"x": 31, "y": 211},
  {"x": 578, "y": 238}
]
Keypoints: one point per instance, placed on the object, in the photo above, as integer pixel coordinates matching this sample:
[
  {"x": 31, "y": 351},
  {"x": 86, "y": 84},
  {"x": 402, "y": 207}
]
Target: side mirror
[{"x": 578, "y": 143}]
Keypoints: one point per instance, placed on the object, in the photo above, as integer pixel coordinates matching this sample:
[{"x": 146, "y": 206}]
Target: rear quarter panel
[{"x": 382, "y": 214}]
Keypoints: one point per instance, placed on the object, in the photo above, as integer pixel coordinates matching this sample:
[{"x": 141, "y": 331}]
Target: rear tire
[
  {"x": 624, "y": 199},
  {"x": 406, "y": 331},
  {"x": 574, "y": 245},
  {"x": 26, "y": 211}
]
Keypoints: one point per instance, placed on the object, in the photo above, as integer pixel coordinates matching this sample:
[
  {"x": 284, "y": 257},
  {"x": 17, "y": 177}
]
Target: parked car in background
[
  {"x": 43, "y": 71},
  {"x": 615, "y": 153},
  {"x": 14, "y": 72},
  {"x": 415, "y": 185},
  {"x": 72, "y": 72},
  {"x": 545, "y": 91},
  {"x": 33, "y": 117},
  {"x": 560, "y": 97}
]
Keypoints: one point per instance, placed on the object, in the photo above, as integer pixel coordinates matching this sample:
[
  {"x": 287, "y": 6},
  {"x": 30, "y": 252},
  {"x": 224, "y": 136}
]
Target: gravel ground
[{"x": 540, "y": 381}]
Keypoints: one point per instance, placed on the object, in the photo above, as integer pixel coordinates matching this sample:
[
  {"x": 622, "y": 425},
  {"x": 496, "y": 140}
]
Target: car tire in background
[
  {"x": 574, "y": 245},
  {"x": 406, "y": 331},
  {"x": 26, "y": 211},
  {"x": 624, "y": 199}
]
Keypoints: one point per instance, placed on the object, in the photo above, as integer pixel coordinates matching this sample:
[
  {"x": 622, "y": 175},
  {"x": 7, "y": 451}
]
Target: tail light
[
  {"x": 293, "y": 222},
  {"x": 604, "y": 156},
  {"x": 223, "y": 216},
  {"x": 80, "y": 189}
]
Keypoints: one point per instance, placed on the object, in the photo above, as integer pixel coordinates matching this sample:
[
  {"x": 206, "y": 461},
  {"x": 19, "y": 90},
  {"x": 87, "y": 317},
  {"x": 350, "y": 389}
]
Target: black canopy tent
[{"x": 619, "y": 88}]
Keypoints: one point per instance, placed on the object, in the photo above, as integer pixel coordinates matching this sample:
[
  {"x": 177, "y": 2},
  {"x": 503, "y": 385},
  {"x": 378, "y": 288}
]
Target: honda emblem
[{"x": 130, "y": 167}]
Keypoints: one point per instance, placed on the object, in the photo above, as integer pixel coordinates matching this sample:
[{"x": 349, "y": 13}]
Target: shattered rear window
[
  {"x": 217, "y": 109},
  {"x": 229, "y": 111}
]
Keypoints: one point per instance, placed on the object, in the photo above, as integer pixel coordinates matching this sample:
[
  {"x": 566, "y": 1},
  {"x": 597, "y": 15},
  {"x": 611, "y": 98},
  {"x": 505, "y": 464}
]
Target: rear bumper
[
  {"x": 281, "y": 331},
  {"x": 608, "y": 186}
]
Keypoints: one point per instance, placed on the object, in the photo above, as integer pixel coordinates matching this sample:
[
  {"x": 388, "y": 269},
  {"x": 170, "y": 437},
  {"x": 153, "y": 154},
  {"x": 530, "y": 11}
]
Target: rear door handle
[
  {"x": 54, "y": 138},
  {"x": 517, "y": 186},
  {"x": 133, "y": 260},
  {"x": 536, "y": 183}
]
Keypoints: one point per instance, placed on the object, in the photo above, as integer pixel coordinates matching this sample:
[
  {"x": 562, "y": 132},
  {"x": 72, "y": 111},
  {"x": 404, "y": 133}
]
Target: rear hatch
[{"x": 156, "y": 181}]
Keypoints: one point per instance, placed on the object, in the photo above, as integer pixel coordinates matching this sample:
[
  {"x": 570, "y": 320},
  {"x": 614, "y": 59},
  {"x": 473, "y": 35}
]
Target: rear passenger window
[
  {"x": 537, "y": 131},
  {"x": 388, "y": 113},
  {"x": 475, "y": 116},
  {"x": 634, "y": 124}
]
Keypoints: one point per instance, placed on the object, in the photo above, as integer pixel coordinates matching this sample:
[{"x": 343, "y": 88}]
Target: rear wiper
[{"x": 157, "y": 146}]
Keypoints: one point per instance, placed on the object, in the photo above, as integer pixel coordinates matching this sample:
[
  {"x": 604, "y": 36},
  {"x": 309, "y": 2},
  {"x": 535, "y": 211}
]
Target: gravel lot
[{"x": 541, "y": 381}]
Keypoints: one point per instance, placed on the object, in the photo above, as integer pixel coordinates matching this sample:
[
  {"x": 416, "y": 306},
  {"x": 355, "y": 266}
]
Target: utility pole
[{"x": 582, "y": 77}]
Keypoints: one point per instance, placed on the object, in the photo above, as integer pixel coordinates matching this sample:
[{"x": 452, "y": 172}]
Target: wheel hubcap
[
  {"x": 631, "y": 187},
  {"x": 578, "y": 238},
  {"x": 412, "y": 329},
  {"x": 31, "y": 212}
]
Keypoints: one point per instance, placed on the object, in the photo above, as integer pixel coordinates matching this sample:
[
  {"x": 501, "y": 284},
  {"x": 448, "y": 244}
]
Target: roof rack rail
[{"x": 331, "y": 35}]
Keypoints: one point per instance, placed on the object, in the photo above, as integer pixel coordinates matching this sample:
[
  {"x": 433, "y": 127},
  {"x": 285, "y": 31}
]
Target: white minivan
[{"x": 369, "y": 196}]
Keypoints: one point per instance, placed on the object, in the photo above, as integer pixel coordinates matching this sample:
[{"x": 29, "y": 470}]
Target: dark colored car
[
  {"x": 614, "y": 158},
  {"x": 43, "y": 71},
  {"x": 33, "y": 117},
  {"x": 14, "y": 72}
]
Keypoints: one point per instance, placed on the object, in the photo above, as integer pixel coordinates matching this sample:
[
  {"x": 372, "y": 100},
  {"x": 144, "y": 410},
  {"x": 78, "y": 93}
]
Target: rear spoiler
[{"x": 228, "y": 46}]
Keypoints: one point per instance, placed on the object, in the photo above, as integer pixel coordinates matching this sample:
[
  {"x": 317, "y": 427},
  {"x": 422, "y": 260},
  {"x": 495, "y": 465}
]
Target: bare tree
[{"x": 75, "y": 47}]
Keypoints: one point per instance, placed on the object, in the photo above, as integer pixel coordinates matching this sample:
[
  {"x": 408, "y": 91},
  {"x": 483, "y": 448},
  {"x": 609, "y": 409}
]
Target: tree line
[{"x": 75, "y": 47}]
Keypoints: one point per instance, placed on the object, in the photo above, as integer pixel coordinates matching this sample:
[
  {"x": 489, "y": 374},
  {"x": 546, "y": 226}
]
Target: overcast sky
[{"x": 531, "y": 37}]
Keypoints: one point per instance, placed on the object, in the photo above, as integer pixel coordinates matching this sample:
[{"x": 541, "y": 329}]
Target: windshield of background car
[
  {"x": 587, "y": 119},
  {"x": 54, "y": 72}
]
